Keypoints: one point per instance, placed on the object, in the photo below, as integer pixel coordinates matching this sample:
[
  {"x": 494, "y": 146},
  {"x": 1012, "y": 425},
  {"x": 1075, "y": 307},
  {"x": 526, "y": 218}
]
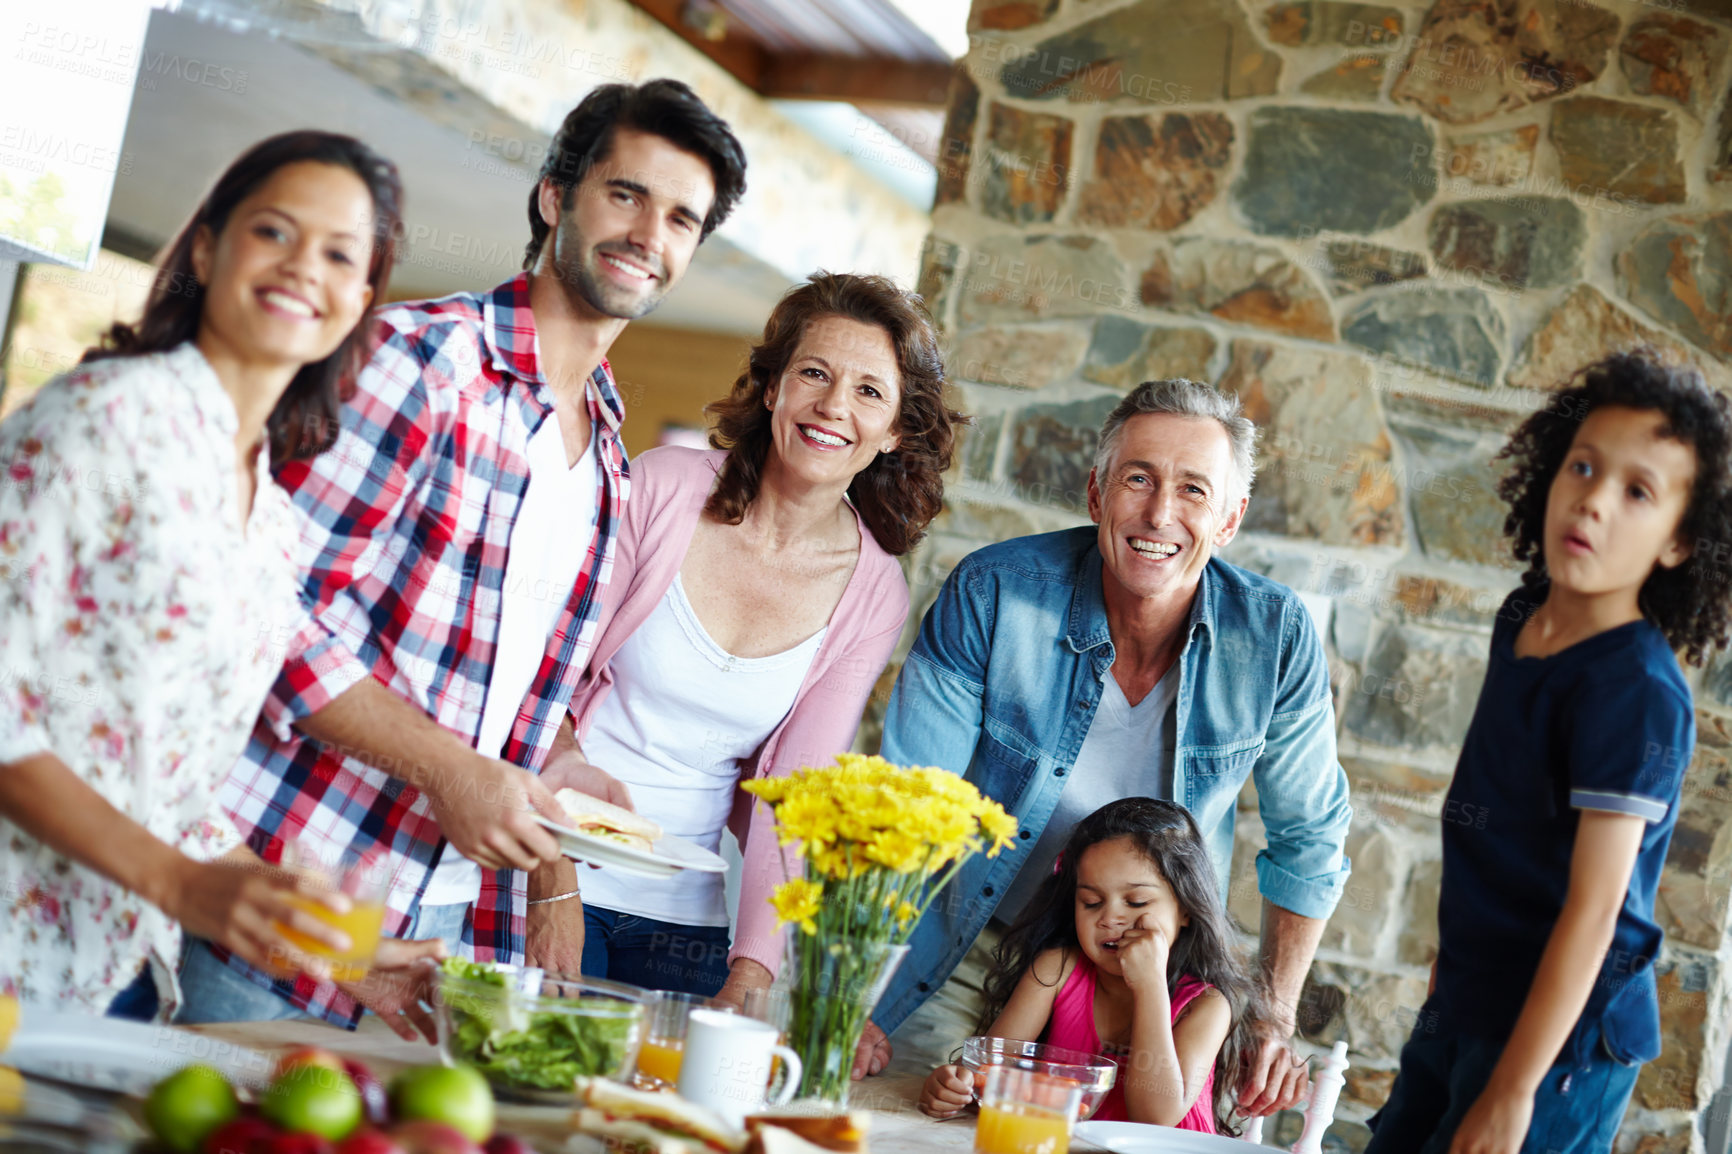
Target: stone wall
[{"x": 1389, "y": 229}]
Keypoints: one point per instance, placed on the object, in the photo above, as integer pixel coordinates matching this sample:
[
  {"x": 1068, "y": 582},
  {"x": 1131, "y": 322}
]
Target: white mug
[{"x": 726, "y": 1066}]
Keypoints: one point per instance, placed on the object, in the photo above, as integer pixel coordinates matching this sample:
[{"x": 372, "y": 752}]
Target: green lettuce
[{"x": 514, "y": 1047}]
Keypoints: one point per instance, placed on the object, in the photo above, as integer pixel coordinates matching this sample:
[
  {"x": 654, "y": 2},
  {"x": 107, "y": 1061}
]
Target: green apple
[
  {"x": 188, "y": 1105},
  {"x": 455, "y": 1095},
  {"x": 314, "y": 1099}
]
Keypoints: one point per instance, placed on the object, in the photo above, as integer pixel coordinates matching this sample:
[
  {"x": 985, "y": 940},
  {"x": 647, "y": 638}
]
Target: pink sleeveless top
[{"x": 1073, "y": 1026}]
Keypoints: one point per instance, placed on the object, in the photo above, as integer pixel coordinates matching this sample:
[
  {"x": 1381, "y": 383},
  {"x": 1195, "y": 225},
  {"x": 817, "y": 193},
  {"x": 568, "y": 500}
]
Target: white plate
[
  {"x": 116, "y": 1055},
  {"x": 668, "y": 854},
  {"x": 1138, "y": 1138}
]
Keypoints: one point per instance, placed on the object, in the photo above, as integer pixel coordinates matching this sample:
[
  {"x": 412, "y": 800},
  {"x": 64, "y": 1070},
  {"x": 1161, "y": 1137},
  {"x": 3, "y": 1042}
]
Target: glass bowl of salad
[{"x": 531, "y": 1035}]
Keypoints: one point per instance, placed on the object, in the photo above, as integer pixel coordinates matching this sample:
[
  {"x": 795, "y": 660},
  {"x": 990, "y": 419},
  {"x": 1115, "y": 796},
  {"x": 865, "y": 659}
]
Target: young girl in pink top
[{"x": 1125, "y": 951}]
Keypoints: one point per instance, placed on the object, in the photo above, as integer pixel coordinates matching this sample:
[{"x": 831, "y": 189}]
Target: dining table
[
  {"x": 890, "y": 1099},
  {"x": 897, "y": 1125}
]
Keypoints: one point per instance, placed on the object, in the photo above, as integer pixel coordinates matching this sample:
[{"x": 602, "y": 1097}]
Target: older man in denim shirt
[{"x": 1216, "y": 675}]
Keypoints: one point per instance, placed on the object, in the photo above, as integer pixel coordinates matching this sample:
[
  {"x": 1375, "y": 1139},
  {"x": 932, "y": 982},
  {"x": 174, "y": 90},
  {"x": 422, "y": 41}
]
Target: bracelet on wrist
[{"x": 555, "y": 898}]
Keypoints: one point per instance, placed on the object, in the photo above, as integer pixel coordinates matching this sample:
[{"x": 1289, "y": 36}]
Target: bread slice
[
  {"x": 841, "y": 1132},
  {"x": 593, "y": 815},
  {"x": 623, "y": 1136},
  {"x": 629, "y": 840},
  {"x": 775, "y": 1140},
  {"x": 665, "y": 1112}
]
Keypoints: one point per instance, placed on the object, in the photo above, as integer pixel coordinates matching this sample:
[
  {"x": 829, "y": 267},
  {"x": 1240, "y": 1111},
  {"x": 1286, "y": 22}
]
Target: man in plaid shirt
[{"x": 457, "y": 537}]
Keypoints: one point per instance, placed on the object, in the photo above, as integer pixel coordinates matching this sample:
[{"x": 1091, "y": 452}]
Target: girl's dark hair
[
  {"x": 1689, "y": 603},
  {"x": 1168, "y": 837},
  {"x": 664, "y": 108},
  {"x": 305, "y": 421},
  {"x": 899, "y": 493}
]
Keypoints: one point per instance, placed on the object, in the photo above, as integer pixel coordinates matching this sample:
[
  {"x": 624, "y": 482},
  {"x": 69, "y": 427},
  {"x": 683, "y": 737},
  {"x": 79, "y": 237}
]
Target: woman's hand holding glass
[
  {"x": 301, "y": 917},
  {"x": 361, "y": 881},
  {"x": 249, "y": 908}
]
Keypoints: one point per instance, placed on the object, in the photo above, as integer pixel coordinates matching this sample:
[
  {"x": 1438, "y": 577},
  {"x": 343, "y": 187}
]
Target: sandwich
[
  {"x": 775, "y": 1140},
  {"x": 844, "y": 1132},
  {"x": 647, "y": 1122},
  {"x": 603, "y": 819},
  {"x": 624, "y": 1136}
]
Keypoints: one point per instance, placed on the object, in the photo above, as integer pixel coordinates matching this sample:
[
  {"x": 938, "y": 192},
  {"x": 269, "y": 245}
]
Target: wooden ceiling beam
[
  {"x": 743, "y": 57},
  {"x": 868, "y": 80},
  {"x": 865, "y": 80}
]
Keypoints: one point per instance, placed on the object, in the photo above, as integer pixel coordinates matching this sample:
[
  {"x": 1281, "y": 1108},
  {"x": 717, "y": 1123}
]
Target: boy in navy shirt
[{"x": 1543, "y": 1005}]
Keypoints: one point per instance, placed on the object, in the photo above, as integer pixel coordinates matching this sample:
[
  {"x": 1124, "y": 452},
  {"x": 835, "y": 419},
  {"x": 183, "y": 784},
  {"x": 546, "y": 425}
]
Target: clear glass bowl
[
  {"x": 1094, "y": 1073},
  {"x": 532, "y": 1037}
]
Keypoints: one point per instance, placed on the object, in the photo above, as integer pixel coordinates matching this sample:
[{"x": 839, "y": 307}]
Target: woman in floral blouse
[{"x": 149, "y": 587}]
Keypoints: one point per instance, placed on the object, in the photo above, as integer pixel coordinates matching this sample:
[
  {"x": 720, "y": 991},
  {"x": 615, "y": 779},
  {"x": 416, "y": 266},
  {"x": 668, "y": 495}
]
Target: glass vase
[{"x": 832, "y": 984}]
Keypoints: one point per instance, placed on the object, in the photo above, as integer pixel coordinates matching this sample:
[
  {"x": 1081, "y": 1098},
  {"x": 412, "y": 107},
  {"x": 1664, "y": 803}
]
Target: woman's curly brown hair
[
  {"x": 1689, "y": 603},
  {"x": 899, "y": 493}
]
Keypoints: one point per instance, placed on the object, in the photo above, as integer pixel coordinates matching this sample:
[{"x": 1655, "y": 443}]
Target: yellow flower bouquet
[{"x": 877, "y": 842}]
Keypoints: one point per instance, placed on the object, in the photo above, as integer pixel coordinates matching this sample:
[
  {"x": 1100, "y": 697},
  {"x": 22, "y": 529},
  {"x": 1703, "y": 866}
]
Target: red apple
[
  {"x": 242, "y": 1136},
  {"x": 306, "y": 1056},
  {"x": 375, "y": 1104},
  {"x": 424, "y": 1137},
  {"x": 503, "y": 1143},
  {"x": 369, "y": 1142},
  {"x": 297, "y": 1144}
]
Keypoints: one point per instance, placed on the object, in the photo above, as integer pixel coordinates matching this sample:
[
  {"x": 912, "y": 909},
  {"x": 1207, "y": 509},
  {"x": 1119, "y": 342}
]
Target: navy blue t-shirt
[{"x": 1607, "y": 724}]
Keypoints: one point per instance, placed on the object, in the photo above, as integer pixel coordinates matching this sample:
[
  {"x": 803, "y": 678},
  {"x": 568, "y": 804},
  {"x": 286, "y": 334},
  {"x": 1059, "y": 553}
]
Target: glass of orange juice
[
  {"x": 664, "y": 1041},
  {"x": 1025, "y": 1112},
  {"x": 362, "y": 878}
]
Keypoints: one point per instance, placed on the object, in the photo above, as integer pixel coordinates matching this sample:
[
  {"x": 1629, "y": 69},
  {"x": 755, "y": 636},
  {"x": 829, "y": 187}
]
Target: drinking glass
[
  {"x": 664, "y": 1043},
  {"x": 767, "y": 1004},
  {"x": 1025, "y": 1112},
  {"x": 364, "y": 879}
]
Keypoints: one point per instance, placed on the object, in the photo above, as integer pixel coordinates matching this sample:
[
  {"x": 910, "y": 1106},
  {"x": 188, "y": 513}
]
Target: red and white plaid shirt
[{"x": 408, "y": 518}]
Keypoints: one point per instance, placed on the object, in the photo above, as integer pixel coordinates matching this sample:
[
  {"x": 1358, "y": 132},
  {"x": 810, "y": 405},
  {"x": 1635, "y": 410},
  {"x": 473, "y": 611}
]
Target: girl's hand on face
[
  {"x": 948, "y": 1091},
  {"x": 1143, "y": 955}
]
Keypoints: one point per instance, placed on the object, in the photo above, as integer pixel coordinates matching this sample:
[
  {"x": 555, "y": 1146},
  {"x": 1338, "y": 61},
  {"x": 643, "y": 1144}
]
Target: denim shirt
[{"x": 1003, "y": 682}]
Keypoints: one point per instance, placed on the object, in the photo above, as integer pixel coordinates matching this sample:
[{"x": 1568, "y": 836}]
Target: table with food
[
  {"x": 69, "y": 1083},
  {"x": 532, "y": 1061}
]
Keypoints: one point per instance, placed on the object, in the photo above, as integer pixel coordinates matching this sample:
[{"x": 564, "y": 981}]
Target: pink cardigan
[{"x": 668, "y": 489}]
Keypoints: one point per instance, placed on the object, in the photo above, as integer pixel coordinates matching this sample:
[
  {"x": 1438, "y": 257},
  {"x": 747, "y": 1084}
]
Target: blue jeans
[
  {"x": 138, "y": 1002},
  {"x": 652, "y": 954},
  {"x": 1577, "y": 1108},
  {"x": 214, "y": 991}
]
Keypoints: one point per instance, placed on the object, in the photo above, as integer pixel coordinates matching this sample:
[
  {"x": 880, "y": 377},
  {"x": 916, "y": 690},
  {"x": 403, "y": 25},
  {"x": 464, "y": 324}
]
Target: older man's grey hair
[{"x": 1186, "y": 398}]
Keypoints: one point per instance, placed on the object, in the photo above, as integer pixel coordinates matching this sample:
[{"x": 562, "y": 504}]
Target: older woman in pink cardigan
[{"x": 755, "y": 599}]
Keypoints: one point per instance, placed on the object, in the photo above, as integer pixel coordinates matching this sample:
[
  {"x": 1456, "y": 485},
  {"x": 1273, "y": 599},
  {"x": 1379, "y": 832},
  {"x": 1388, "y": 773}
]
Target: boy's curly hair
[{"x": 1689, "y": 602}]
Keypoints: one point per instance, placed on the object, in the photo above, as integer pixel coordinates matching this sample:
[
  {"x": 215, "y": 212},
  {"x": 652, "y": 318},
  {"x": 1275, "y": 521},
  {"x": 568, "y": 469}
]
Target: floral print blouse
[{"x": 139, "y": 632}]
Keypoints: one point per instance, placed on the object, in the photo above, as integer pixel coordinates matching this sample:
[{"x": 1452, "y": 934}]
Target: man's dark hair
[
  {"x": 1689, "y": 602},
  {"x": 664, "y": 108}
]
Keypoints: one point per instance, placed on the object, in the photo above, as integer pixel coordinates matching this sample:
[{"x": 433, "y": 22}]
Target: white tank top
[
  {"x": 683, "y": 715},
  {"x": 550, "y": 540}
]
